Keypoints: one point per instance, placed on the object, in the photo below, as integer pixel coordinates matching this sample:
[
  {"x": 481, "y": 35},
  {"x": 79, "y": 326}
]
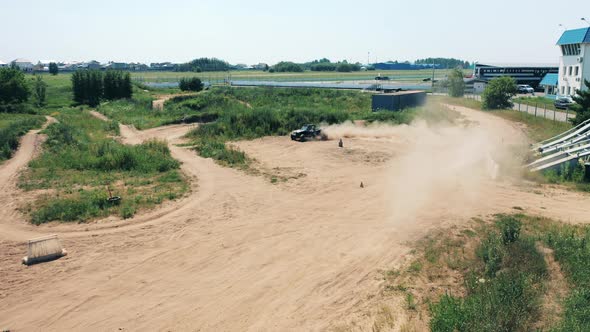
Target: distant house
[
  {"x": 23, "y": 64},
  {"x": 260, "y": 66},
  {"x": 402, "y": 66},
  {"x": 117, "y": 66},
  {"x": 94, "y": 65},
  {"x": 3, "y": 64},
  {"x": 162, "y": 66},
  {"x": 43, "y": 65},
  {"x": 138, "y": 66},
  {"x": 91, "y": 65}
]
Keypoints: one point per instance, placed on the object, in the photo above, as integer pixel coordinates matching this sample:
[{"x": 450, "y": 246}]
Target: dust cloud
[
  {"x": 349, "y": 129},
  {"x": 443, "y": 168}
]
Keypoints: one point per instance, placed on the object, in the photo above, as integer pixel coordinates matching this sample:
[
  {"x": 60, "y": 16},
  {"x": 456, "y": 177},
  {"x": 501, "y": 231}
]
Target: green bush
[
  {"x": 13, "y": 87},
  {"x": 508, "y": 298},
  {"x": 456, "y": 83},
  {"x": 510, "y": 229},
  {"x": 498, "y": 93},
  {"x": 286, "y": 66},
  {"x": 491, "y": 252},
  {"x": 190, "y": 84}
]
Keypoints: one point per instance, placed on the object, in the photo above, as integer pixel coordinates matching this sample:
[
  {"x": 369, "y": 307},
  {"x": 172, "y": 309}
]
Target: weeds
[
  {"x": 508, "y": 297},
  {"x": 81, "y": 159}
]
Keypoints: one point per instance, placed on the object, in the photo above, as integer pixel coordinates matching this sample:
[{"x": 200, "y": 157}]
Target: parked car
[
  {"x": 563, "y": 103},
  {"x": 382, "y": 78},
  {"x": 525, "y": 88}
]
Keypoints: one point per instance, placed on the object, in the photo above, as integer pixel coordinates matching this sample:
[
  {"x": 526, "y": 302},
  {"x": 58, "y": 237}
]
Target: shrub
[
  {"x": 491, "y": 252},
  {"x": 506, "y": 301},
  {"x": 286, "y": 66},
  {"x": 190, "y": 84},
  {"x": 510, "y": 229},
  {"x": 456, "y": 83},
  {"x": 53, "y": 68},
  {"x": 13, "y": 87},
  {"x": 40, "y": 87},
  {"x": 498, "y": 93}
]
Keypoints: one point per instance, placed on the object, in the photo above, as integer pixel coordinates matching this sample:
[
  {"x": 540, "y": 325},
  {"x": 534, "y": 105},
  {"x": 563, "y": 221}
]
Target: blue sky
[{"x": 270, "y": 31}]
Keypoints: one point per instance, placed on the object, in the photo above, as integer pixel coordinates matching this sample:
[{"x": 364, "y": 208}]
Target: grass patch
[
  {"x": 500, "y": 277},
  {"x": 12, "y": 127},
  {"x": 541, "y": 103},
  {"x": 81, "y": 159},
  {"x": 572, "y": 251},
  {"x": 502, "y": 289}
]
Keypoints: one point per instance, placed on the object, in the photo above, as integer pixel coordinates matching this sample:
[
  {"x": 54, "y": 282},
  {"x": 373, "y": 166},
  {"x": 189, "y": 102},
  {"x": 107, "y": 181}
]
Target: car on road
[
  {"x": 563, "y": 103},
  {"x": 308, "y": 131},
  {"x": 525, "y": 88},
  {"x": 381, "y": 78}
]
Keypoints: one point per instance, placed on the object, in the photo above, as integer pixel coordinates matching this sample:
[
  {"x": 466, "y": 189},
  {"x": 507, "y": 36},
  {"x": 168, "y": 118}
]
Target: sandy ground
[{"x": 244, "y": 254}]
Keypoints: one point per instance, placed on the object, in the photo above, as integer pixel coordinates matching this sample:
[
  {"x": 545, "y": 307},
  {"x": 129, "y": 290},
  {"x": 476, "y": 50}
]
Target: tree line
[
  {"x": 203, "y": 64},
  {"x": 91, "y": 86},
  {"x": 444, "y": 62},
  {"x": 15, "y": 91}
]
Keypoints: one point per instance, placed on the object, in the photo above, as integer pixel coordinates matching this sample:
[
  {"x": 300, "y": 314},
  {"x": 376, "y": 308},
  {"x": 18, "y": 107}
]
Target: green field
[{"x": 219, "y": 77}]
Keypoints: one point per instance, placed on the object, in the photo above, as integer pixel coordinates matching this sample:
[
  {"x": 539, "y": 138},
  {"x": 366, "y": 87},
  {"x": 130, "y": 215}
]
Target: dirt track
[{"x": 244, "y": 254}]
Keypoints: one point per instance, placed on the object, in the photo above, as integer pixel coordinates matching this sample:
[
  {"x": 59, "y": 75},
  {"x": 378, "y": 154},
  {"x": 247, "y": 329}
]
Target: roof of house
[
  {"x": 21, "y": 60},
  {"x": 2, "y": 62},
  {"x": 550, "y": 79},
  {"x": 575, "y": 36},
  {"x": 517, "y": 65}
]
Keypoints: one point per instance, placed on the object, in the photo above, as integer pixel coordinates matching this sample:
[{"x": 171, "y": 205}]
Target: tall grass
[
  {"x": 503, "y": 288},
  {"x": 81, "y": 159},
  {"x": 571, "y": 245}
]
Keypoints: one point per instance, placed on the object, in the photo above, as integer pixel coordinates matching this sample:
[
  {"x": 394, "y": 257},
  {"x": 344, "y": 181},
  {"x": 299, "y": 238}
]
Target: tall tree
[
  {"x": 13, "y": 86},
  {"x": 87, "y": 87},
  {"x": 53, "y": 69},
  {"x": 498, "y": 93},
  {"x": 582, "y": 105},
  {"x": 39, "y": 90},
  {"x": 456, "y": 83}
]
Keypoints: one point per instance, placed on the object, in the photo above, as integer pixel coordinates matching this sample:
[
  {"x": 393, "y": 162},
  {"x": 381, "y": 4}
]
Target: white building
[
  {"x": 574, "y": 64},
  {"x": 23, "y": 64},
  {"x": 3, "y": 64}
]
